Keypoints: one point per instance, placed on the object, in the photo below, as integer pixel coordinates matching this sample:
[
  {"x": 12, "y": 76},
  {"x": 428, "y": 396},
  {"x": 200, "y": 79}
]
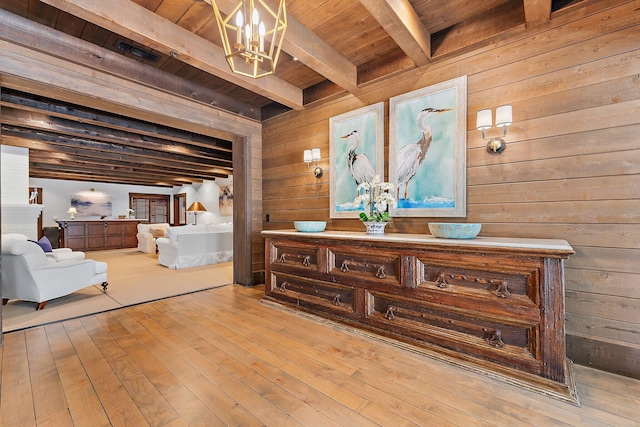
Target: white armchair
[
  {"x": 29, "y": 275},
  {"x": 147, "y": 235}
]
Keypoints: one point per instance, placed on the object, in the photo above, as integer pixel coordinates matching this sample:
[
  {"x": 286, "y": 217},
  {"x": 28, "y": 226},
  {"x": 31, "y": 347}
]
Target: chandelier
[{"x": 253, "y": 41}]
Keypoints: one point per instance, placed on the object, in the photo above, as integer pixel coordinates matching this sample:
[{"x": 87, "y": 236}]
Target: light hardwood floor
[{"x": 220, "y": 357}]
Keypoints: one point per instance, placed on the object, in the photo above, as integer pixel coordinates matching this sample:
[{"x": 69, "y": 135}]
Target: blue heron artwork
[
  {"x": 357, "y": 150},
  {"x": 426, "y": 152}
]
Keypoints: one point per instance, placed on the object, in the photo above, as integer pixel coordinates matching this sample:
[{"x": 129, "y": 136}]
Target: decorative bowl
[
  {"x": 451, "y": 230},
  {"x": 310, "y": 226}
]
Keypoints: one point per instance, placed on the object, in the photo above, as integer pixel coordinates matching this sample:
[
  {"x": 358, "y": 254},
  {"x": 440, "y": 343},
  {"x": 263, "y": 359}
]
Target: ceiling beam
[
  {"x": 311, "y": 50},
  {"x": 115, "y": 153},
  {"x": 402, "y": 23},
  {"x": 137, "y": 23},
  {"x": 55, "y": 108},
  {"x": 536, "y": 12},
  {"x": 42, "y": 122}
]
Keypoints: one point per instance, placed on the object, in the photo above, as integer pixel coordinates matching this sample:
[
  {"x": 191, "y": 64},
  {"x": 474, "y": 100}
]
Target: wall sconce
[
  {"x": 313, "y": 156},
  {"x": 503, "y": 119}
]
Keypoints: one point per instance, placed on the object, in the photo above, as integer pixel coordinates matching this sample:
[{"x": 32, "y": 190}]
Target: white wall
[
  {"x": 207, "y": 193},
  {"x": 56, "y": 195}
]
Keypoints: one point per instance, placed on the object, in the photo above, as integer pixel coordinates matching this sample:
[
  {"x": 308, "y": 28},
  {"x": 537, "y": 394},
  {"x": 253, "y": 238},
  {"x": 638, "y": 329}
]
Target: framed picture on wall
[
  {"x": 427, "y": 150},
  {"x": 92, "y": 203},
  {"x": 356, "y": 155},
  {"x": 225, "y": 200}
]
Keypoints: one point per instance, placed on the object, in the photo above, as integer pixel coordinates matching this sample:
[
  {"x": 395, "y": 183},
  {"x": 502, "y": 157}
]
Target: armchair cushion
[
  {"x": 44, "y": 243},
  {"x": 158, "y": 231}
]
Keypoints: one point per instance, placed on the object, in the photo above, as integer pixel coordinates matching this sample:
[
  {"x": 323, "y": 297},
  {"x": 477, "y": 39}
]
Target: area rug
[{"x": 134, "y": 278}]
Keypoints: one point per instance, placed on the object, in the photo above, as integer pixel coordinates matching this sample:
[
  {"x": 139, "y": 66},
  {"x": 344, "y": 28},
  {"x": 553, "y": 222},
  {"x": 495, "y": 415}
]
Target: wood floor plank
[
  {"x": 84, "y": 405},
  {"x": 263, "y": 410},
  {"x": 118, "y": 404},
  {"x": 258, "y": 334},
  {"x": 16, "y": 404},
  {"x": 306, "y": 392},
  {"x": 221, "y": 404},
  {"x": 48, "y": 395},
  {"x": 156, "y": 410},
  {"x": 221, "y": 357},
  {"x": 190, "y": 408}
]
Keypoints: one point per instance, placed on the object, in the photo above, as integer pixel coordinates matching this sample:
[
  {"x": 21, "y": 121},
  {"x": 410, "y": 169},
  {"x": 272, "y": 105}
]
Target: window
[{"x": 152, "y": 207}]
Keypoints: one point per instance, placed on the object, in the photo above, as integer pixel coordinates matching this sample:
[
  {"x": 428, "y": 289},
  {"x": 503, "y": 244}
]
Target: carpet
[{"x": 134, "y": 277}]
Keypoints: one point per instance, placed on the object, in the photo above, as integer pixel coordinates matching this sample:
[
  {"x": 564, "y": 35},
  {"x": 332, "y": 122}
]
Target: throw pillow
[
  {"x": 157, "y": 232},
  {"x": 44, "y": 243}
]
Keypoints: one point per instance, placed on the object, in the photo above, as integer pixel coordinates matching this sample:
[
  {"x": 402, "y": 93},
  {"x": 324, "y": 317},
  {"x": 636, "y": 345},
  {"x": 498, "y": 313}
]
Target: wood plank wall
[{"x": 571, "y": 168}]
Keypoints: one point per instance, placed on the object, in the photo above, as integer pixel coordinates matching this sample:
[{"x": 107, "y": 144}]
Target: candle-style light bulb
[
  {"x": 247, "y": 36},
  {"x": 255, "y": 20},
  {"x": 239, "y": 22},
  {"x": 262, "y": 31}
]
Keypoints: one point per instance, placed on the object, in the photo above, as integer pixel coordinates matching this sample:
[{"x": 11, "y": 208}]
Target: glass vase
[{"x": 375, "y": 228}]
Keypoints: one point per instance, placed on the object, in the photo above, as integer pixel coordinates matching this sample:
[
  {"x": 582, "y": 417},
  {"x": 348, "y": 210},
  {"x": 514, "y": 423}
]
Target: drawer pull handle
[
  {"x": 283, "y": 287},
  {"x": 441, "y": 281},
  {"x": 336, "y": 299},
  {"x": 389, "y": 314},
  {"x": 380, "y": 274},
  {"x": 494, "y": 337},
  {"x": 502, "y": 291},
  {"x": 345, "y": 266},
  {"x": 306, "y": 261},
  {"x": 283, "y": 259}
]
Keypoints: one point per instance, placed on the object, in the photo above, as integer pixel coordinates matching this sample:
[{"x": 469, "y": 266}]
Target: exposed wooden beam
[
  {"x": 22, "y": 31},
  {"x": 41, "y": 122},
  {"x": 128, "y": 165},
  {"x": 536, "y": 12},
  {"x": 27, "y": 102},
  {"x": 400, "y": 20},
  {"x": 115, "y": 153},
  {"x": 37, "y": 72},
  {"x": 311, "y": 50},
  {"x": 130, "y": 20}
]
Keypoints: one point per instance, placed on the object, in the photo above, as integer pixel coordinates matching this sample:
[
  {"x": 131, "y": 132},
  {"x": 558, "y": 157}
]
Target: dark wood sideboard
[
  {"x": 494, "y": 305},
  {"x": 93, "y": 235}
]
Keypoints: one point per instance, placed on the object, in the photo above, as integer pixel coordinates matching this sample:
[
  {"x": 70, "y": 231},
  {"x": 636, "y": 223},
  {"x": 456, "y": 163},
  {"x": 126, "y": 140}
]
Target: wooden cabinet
[
  {"x": 92, "y": 235},
  {"x": 491, "y": 304}
]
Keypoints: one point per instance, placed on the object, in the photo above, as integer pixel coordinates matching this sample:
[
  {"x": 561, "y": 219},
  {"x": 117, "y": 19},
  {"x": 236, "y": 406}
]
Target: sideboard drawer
[
  {"x": 297, "y": 256},
  {"x": 355, "y": 266},
  {"x": 316, "y": 295},
  {"x": 500, "y": 292},
  {"x": 502, "y": 340}
]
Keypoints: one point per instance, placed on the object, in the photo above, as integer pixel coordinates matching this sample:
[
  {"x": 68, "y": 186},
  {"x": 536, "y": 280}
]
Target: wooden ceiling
[{"x": 331, "y": 47}]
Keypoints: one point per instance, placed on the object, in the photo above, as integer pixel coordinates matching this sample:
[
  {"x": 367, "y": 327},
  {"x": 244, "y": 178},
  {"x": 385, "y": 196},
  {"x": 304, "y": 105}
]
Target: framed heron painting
[
  {"x": 427, "y": 150},
  {"x": 356, "y": 146}
]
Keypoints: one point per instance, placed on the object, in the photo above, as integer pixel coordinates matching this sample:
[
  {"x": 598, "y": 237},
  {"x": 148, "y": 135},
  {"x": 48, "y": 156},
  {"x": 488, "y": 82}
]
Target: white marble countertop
[{"x": 555, "y": 245}]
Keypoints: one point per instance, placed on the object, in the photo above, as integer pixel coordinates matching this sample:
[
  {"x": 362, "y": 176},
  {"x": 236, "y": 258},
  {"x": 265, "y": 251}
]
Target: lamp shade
[
  {"x": 504, "y": 116},
  {"x": 72, "y": 210},
  {"x": 484, "y": 119},
  {"x": 315, "y": 154},
  {"x": 307, "y": 156},
  {"x": 196, "y": 207}
]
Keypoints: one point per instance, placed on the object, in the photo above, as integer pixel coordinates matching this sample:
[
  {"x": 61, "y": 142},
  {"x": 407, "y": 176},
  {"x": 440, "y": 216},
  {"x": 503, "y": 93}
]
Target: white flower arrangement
[{"x": 376, "y": 197}]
